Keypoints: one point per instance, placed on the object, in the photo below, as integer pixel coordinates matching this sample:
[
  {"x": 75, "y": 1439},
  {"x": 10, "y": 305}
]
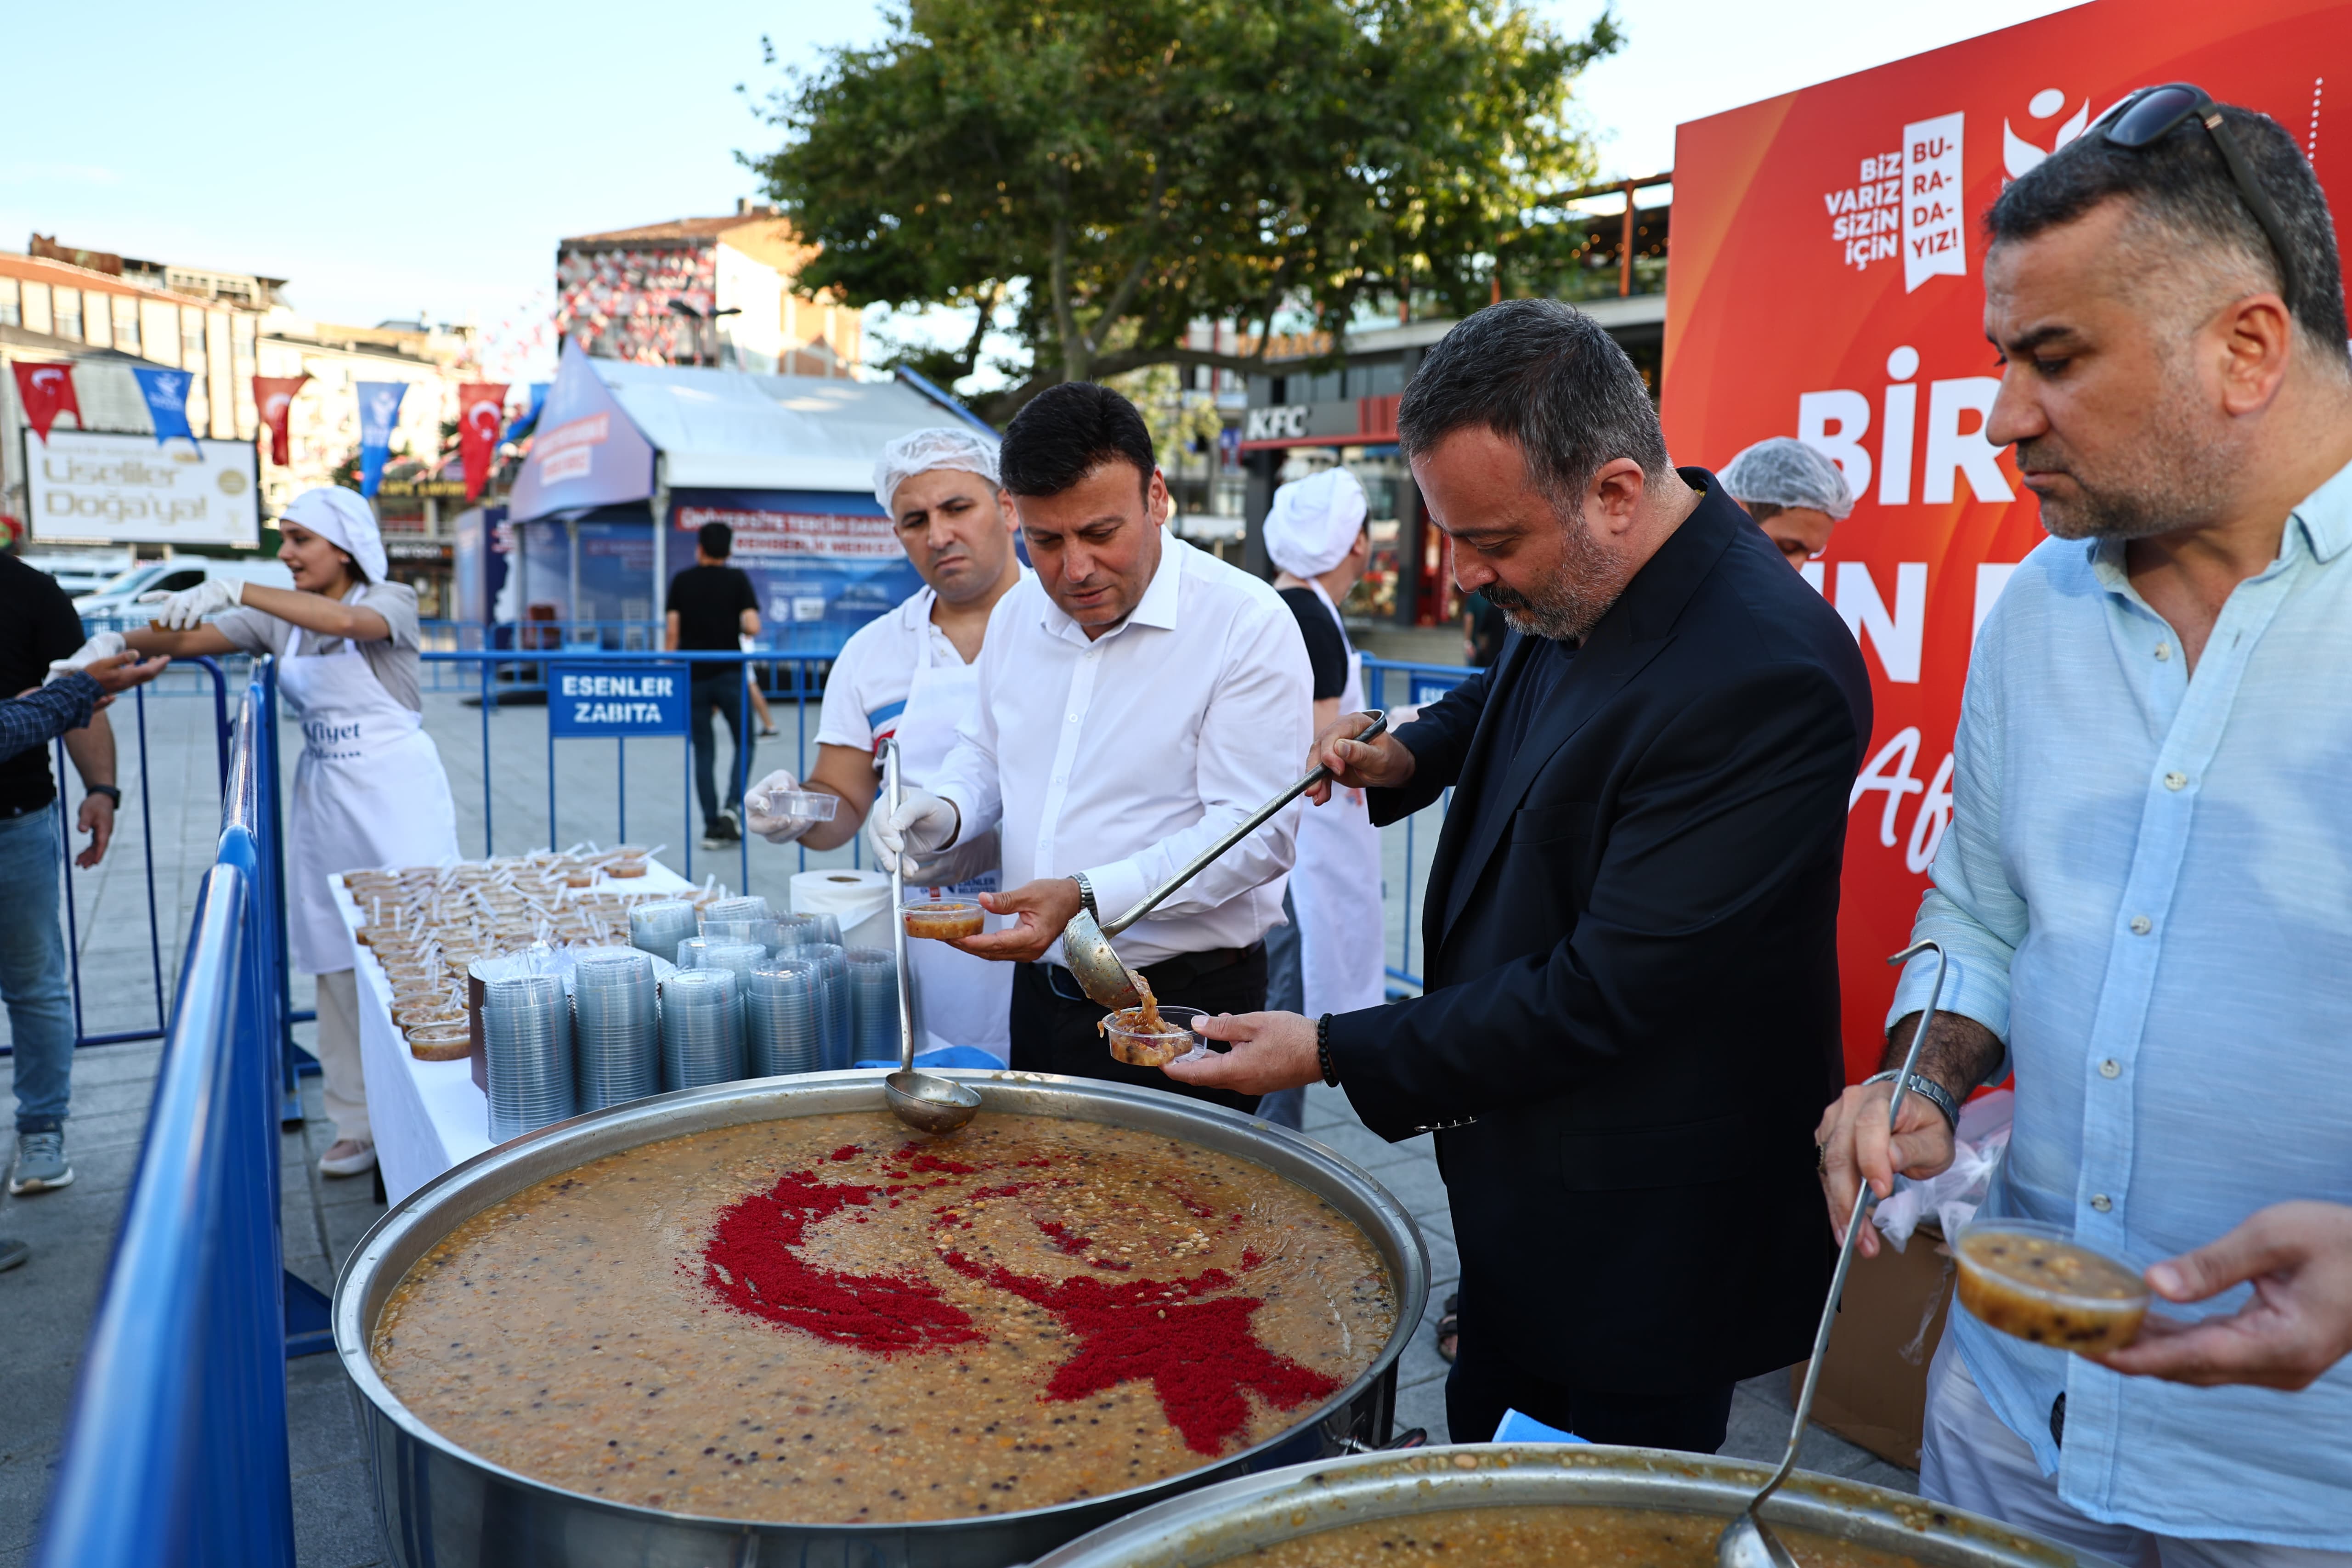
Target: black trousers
[
  {"x": 1481, "y": 1388},
  {"x": 1054, "y": 1021},
  {"x": 726, "y": 693}
]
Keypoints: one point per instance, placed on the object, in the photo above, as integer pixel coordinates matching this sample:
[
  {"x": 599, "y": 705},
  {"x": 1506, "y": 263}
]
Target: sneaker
[
  {"x": 40, "y": 1163},
  {"x": 348, "y": 1157},
  {"x": 722, "y": 830},
  {"x": 11, "y": 1253}
]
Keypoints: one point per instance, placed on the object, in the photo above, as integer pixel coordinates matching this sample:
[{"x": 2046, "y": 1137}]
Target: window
[
  {"x": 10, "y": 314},
  {"x": 175, "y": 582},
  {"x": 67, "y": 304},
  {"x": 126, "y": 322}
]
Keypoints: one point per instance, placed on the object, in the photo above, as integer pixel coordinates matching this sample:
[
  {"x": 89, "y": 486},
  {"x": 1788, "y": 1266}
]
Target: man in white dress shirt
[
  {"x": 910, "y": 675},
  {"x": 1138, "y": 699}
]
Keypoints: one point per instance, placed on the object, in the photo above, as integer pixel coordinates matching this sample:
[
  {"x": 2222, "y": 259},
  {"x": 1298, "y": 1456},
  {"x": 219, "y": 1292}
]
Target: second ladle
[
  {"x": 921, "y": 1100},
  {"x": 1102, "y": 974},
  {"x": 1748, "y": 1541}
]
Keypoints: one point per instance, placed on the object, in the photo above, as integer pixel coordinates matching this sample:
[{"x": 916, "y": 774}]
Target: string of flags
[{"x": 48, "y": 393}]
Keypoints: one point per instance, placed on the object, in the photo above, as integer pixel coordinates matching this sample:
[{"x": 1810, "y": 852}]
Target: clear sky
[{"x": 393, "y": 159}]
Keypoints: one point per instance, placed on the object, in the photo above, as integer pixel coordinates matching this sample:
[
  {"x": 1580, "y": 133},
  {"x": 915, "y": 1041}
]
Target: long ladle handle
[
  {"x": 898, "y": 918},
  {"x": 1861, "y": 1203},
  {"x": 1257, "y": 819}
]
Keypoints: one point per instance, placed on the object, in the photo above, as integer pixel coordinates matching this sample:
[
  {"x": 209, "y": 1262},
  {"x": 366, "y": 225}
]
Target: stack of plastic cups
[
  {"x": 753, "y": 908},
  {"x": 783, "y": 1013},
  {"x": 689, "y": 951},
  {"x": 873, "y": 1004},
  {"x": 527, "y": 1039},
  {"x": 806, "y": 931},
  {"x": 833, "y": 1000},
  {"x": 762, "y": 933},
  {"x": 615, "y": 1029},
  {"x": 660, "y": 926},
  {"x": 702, "y": 1029}
]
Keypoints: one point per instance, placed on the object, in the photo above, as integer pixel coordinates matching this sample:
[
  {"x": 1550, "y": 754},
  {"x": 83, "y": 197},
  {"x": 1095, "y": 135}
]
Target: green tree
[{"x": 1111, "y": 171}]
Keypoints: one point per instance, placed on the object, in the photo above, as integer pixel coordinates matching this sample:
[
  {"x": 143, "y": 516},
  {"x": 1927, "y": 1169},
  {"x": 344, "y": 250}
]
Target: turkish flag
[
  {"x": 481, "y": 415},
  {"x": 47, "y": 391},
  {"x": 274, "y": 395}
]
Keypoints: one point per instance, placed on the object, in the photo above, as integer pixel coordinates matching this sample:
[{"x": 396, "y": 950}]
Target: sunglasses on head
[{"x": 2152, "y": 113}]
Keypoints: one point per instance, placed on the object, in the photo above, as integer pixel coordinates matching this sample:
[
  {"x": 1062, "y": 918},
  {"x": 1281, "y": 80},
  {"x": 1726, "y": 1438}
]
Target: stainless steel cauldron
[
  {"x": 1218, "y": 1523},
  {"x": 444, "y": 1508}
]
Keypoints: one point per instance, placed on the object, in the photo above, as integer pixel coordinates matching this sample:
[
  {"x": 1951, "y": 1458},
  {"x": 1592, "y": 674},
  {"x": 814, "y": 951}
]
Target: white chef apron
[
  {"x": 368, "y": 791},
  {"x": 960, "y": 1000},
  {"x": 1336, "y": 887}
]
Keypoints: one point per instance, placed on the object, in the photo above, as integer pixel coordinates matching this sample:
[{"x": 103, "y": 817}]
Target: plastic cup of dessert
[
  {"x": 807, "y": 804},
  {"x": 440, "y": 1042},
  {"x": 944, "y": 919},
  {"x": 631, "y": 866},
  {"x": 2036, "y": 1282},
  {"x": 1175, "y": 1041}
]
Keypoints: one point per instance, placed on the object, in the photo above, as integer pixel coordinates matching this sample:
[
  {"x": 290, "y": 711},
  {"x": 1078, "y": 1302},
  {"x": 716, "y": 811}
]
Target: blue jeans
[
  {"x": 33, "y": 970},
  {"x": 1286, "y": 991}
]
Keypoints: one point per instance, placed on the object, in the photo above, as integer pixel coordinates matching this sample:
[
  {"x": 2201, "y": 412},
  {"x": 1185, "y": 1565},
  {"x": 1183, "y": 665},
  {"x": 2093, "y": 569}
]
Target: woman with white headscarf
[
  {"x": 369, "y": 789},
  {"x": 1316, "y": 533}
]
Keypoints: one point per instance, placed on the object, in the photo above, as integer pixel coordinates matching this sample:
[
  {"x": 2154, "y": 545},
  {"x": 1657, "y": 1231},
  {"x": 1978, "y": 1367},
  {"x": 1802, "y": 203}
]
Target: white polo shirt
[{"x": 1126, "y": 756}]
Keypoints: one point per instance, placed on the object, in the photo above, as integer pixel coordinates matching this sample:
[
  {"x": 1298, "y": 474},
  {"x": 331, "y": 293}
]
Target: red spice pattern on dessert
[
  {"x": 752, "y": 1263},
  {"x": 1197, "y": 1356}
]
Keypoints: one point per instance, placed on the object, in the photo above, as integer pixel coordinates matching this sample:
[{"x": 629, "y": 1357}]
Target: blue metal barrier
[
  {"x": 175, "y": 1449},
  {"x": 210, "y": 678},
  {"x": 1392, "y": 684}
]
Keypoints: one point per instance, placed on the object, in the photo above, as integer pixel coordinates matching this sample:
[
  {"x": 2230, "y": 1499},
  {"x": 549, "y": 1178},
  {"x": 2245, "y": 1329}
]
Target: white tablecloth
[{"x": 428, "y": 1116}]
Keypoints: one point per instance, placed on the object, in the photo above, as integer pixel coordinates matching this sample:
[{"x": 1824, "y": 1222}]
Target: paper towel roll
[{"x": 860, "y": 901}]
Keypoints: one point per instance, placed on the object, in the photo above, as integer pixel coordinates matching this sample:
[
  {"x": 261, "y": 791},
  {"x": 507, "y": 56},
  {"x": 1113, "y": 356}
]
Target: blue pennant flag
[
  {"x": 166, "y": 391},
  {"x": 527, "y": 420},
  {"x": 379, "y": 411}
]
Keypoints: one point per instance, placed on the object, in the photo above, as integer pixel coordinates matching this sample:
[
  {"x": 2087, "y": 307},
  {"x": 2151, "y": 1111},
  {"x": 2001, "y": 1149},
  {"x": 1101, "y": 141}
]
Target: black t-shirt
[
  {"x": 709, "y": 602},
  {"x": 1537, "y": 682},
  {"x": 37, "y": 623},
  {"x": 1326, "y": 651}
]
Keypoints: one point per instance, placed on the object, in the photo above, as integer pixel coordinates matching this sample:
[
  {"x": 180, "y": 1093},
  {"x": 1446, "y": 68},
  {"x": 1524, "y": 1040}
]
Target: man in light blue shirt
[{"x": 2146, "y": 891}]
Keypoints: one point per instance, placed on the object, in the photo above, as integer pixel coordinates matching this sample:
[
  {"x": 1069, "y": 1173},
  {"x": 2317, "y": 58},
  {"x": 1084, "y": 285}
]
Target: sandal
[{"x": 1449, "y": 1328}]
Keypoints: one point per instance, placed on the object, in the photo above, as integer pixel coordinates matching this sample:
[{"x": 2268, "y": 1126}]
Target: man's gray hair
[{"x": 1545, "y": 376}]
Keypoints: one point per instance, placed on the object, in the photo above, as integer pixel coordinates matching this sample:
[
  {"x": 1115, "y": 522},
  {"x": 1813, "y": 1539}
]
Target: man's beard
[
  {"x": 1587, "y": 581},
  {"x": 2178, "y": 473}
]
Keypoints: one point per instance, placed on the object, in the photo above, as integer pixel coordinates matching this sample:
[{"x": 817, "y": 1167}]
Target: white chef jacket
[{"x": 1126, "y": 756}]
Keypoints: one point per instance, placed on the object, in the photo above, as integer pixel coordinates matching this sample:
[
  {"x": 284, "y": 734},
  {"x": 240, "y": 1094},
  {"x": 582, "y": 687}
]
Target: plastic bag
[{"x": 1954, "y": 1197}]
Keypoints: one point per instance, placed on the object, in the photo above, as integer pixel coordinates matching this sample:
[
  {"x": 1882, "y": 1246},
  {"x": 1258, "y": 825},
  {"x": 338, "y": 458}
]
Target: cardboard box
[{"x": 1873, "y": 1390}]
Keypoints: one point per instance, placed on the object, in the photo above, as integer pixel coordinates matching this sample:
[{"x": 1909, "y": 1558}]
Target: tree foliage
[{"x": 1111, "y": 171}]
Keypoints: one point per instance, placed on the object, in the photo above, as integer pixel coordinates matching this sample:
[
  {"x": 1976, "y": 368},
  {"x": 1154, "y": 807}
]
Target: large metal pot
[
  {"x": 1214, "y": 1523},
  {"x": 444, "y": 1508}
]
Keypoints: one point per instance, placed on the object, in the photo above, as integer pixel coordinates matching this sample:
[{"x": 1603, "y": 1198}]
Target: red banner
[
  {"x": 481, "y": 415},
  {"x": 46, "y": 391},
  {"x": 1827, "y": 284},
  {"x": 274, "y": 397}
]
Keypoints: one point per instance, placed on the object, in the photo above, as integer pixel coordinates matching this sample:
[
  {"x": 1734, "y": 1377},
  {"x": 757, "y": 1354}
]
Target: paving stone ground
[{"x": 47, "y": 1306}]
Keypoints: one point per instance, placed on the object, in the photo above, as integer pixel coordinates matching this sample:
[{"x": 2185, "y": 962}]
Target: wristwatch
[
  {"x": 1086, "y": 894},
  {"x": 108, "y": 791},
  {"x": 1926, "y": 1088}
]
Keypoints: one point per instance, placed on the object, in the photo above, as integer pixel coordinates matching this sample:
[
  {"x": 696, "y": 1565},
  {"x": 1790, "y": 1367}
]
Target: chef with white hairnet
[
  {"x": 369, "y": 789},
  {"x": 909, "y": 674},
  {"x": 1316, "y": 535},
  {"x": 1795, "y": 494}
]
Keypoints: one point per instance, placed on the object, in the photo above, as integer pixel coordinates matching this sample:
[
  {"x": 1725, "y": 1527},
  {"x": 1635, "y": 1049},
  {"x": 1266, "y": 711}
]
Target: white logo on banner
[
  {"x": 2018, "y": 155},
  {"x": 1935, "y": 241}
]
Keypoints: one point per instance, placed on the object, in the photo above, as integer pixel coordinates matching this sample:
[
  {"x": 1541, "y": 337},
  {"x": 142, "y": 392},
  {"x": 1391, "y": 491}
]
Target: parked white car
[
  {"x": 151, "y": 582},
  {"x": 82, "y": 572}
]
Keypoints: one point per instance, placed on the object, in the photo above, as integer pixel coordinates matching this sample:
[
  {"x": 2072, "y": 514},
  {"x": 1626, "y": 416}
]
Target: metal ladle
[
  {"x": 1748, "y": 1541},
  {"x": 924, "y": 1102},
  {"x": 1086, "y": 944}
]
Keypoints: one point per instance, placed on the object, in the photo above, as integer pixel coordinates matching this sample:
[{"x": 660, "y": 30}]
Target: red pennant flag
[
  {"x": 46, "y": 391},
  {"x": 274, "y": 395},
  {"x": 481, "y": 415}
]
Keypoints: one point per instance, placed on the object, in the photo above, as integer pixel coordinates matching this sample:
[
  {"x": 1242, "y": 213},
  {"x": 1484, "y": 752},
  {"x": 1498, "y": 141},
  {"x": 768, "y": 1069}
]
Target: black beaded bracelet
[{"x": 1323, "y": 1050}]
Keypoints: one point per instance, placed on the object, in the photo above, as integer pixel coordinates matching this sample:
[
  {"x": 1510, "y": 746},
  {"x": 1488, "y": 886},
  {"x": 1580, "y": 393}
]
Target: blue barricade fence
[
  {"x": 1393, "y": 684},
  {"x": 175, "y": 1449}
]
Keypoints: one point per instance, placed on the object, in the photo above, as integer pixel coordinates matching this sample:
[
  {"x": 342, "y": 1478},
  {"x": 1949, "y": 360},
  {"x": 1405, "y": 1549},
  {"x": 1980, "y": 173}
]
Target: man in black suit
[{"x": 1631, "y": 1014}]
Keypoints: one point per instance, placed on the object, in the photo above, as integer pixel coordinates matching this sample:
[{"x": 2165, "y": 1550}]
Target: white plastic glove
[
  {"x": 921, "y": 826},
  {"x": 105, "y": 645},
  {"x": 189, "y": 607},
  {"x": 764, "y": 814}
]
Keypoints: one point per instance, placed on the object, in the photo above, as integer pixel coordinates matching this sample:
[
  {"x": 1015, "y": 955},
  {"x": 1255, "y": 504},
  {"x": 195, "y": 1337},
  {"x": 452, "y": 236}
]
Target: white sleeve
[
  {"x": 842, "y": 721},
  {"x": 1259, "y": 724},
  {"x": 969, "y": 776}
]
